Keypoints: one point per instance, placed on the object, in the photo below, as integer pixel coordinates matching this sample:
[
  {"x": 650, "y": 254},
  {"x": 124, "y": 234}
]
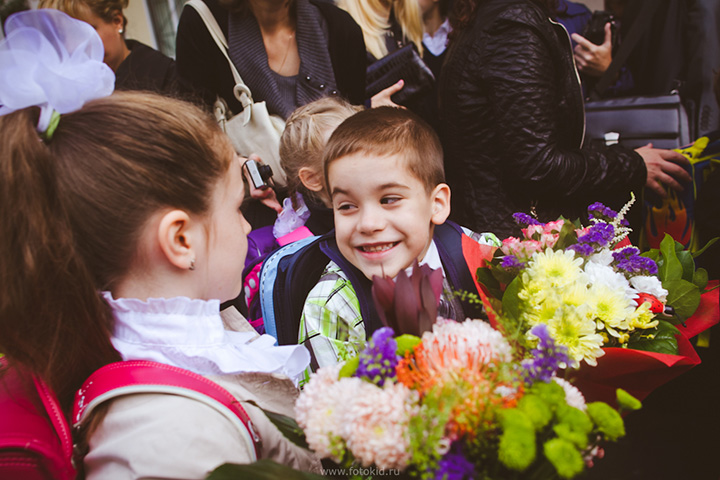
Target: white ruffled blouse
[{"x": 190, "y": 334}]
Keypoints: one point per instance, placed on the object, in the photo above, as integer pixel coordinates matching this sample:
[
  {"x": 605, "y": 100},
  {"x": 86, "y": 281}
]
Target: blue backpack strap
[
  {"x": 448, "y": 238},
  {"x": 268, "y": 280}
]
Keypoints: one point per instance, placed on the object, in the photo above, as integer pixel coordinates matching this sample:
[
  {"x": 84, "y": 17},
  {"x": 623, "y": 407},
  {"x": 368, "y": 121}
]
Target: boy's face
[{"x": 384, "y": 216}]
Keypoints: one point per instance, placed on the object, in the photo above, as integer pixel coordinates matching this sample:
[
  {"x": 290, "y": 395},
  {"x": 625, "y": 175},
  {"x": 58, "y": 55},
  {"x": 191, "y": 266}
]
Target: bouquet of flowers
[
  {"x": 455, "y": 404},
  {"x": 595, "y": 292}
]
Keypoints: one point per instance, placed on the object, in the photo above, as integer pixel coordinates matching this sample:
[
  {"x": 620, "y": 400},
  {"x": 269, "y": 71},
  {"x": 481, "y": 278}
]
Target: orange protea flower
[{"x": 465, "y": 364}]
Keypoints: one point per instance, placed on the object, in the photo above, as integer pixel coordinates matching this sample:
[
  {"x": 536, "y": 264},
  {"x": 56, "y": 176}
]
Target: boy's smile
[{"x": 384, "y": 215}]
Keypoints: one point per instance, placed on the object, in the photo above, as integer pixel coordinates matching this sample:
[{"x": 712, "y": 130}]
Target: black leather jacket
[{"x": 512, "y": 120}]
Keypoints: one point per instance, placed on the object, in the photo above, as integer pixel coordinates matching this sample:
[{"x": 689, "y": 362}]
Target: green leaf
[
  {"x": 707, "y": 245},
  {"x": 502, "y": 275},
  {"x": 510, "y": 301},
  {"x": 567, "y": 237},
  {"x": 264, "y": 469},
  {"x": 670, "y": 267},
  {"x": 405, "y": 343},
  {"x": 700, "y": 278},
  {"x": 687, "y": 263},
  {"x": 485, "y": 277},
  {"x": 663, "y": 340},
  {"x": 683, "y": 296},
  {"x": 287, "y": 426},
  {"x": 653, "y": 254}
]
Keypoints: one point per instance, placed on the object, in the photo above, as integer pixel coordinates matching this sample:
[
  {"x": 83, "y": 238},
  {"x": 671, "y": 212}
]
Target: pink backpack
[{"x": 35, "y": 438}]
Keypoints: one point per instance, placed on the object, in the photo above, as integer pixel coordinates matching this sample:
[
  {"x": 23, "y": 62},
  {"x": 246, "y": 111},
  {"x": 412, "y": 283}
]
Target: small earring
[
  {"x": 192, "y": 264},
  {"x": 120, "y": 31}
]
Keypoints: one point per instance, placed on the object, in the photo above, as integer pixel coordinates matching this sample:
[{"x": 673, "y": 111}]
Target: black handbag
[
  {"x": 638, "y": 120},
  {"x": 405, "y": 64}
]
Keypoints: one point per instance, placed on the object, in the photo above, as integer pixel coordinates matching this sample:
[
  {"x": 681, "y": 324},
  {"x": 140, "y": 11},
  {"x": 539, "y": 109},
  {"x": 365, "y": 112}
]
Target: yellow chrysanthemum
[
  {"x": 642, "y": 318},
  {"x": 577, "y": 333},
  {"x": 575, "y": 294},
  {"x": 556, "y": 268},
  {"x": 610, "y": 307}
]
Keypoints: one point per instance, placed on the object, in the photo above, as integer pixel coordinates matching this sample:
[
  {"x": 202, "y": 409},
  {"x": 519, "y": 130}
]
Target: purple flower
[
  {"x": 601, "y": 212},
  {"x": 629, "y": 261},
  {"x": 524, "y": 219},
  {"x": 511, "y": 262},
  {"x": 379, "y": 358},
  {"x": 546, "y": 356},
  {"x": 599, "y": 234},
  {"x": 583, "y": 249},
  {"x": 454, "y": 465}
]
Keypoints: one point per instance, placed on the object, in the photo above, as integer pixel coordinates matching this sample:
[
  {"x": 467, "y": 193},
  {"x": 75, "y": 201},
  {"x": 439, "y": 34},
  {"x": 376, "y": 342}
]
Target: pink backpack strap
[{"x": 132, "y": 377}]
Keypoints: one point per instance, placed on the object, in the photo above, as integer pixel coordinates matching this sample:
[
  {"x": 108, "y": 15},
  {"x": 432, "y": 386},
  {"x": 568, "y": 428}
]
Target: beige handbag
[{"x": 253, "y": 130}]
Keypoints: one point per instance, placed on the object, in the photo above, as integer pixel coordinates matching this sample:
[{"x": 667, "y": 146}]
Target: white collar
[
  {"x": 189, "y": 333},
  {"x": 431, "y": 259},
  {"x": 438, "y": 42}
]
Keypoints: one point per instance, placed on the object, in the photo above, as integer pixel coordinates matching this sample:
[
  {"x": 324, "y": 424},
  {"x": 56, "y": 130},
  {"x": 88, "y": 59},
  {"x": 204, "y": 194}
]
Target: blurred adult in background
[
  {"x": 436, "y": 26},
  {"x": 136, "y": 65},
  {"x": 386, "y": 24},
  {"x": 288, "y": 52},
  {"x": 512, "y": 124}
]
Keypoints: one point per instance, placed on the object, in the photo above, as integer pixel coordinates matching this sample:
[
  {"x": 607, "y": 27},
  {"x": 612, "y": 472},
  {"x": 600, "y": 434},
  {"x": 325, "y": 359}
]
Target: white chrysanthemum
[
  {"x": 377, "y": 425},
  {"x": 573, "y": 396},
  {"x": 605, "y": 275},
  {"x": 651, "y": 285},
  {"x": 556, "y": 268},
  {"x": 603, "y": 257}
]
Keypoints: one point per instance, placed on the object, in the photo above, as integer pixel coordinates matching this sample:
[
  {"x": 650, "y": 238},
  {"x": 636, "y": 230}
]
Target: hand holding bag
[
  {"x": 638, "y": 120},
  {"x": 402, "y": 64},
  {"x": 253, "y": 130}
]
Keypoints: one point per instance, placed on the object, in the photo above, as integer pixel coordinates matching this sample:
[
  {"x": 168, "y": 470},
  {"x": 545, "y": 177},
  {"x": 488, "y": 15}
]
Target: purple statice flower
[
  {"x": 601, "y": 212},
  {"x": 511, "y": 262},
  {"x": 379, "y": 358},
  {"x": 625, "y": 253},
  {"x": 600, "y": 234},
  {"x": 547, "y": 356},
  {"x": 524, "y": 219},
  {"x": 583, "y": 249},
  {"x": 454, "y": 465},
  {"x": 631, "y": 263}
]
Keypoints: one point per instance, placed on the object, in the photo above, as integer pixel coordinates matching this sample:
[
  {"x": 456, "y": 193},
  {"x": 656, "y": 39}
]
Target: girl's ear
[
  {"x": 312, "y": 180},
  {"x": 177, "y": 240},
  {"x": 118, "y": 20},
  {"x": 440, "y": 198}
]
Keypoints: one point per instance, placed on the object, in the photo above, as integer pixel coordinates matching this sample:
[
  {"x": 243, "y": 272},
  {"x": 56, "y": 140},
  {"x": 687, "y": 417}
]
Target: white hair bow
[{"x": 53, "y": 61}]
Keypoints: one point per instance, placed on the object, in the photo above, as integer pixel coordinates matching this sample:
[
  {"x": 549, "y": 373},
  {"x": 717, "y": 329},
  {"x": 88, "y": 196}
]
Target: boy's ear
[
  {"x": 176, "y": 239},
  {"x": 312, "y": 180},
  {"x": 440, "y": 198},
  {"x": 117, "y": 19}
]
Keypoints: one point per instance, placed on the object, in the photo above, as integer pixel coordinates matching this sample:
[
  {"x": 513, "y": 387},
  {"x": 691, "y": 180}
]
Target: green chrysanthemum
[
  {"x": 627, "y": 401},
  {"x": 517, "y": 448},
  {"x": 536, "y": 409},
  {"x": 564, "y": 457},
  {"x": 607, "y": 420}
]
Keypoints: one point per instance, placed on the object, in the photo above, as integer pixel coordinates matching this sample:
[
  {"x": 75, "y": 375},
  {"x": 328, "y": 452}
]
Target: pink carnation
[
  {"x": 377, "y": 423},
  {"x": 321, "y": 409}
]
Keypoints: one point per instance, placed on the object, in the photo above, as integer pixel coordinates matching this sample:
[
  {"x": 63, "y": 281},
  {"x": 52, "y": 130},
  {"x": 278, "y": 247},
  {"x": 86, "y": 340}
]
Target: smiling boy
[{"x": 384, "y": 173}]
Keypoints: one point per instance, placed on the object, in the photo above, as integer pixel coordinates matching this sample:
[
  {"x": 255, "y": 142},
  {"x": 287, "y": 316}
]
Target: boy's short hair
[{"x": 385, "y": 131}]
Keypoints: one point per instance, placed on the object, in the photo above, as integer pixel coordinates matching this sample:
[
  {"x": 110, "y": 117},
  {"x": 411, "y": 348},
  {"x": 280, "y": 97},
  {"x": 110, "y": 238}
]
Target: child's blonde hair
[
  {"x": 306, "y": 132},
  {"x": 369, "y": 14}
]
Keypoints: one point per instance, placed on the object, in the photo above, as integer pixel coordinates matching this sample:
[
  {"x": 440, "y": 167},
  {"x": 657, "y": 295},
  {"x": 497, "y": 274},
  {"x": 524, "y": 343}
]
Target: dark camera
[
  {"x": 595, "y": 29},
  {"x": 260, "y": 174}
]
